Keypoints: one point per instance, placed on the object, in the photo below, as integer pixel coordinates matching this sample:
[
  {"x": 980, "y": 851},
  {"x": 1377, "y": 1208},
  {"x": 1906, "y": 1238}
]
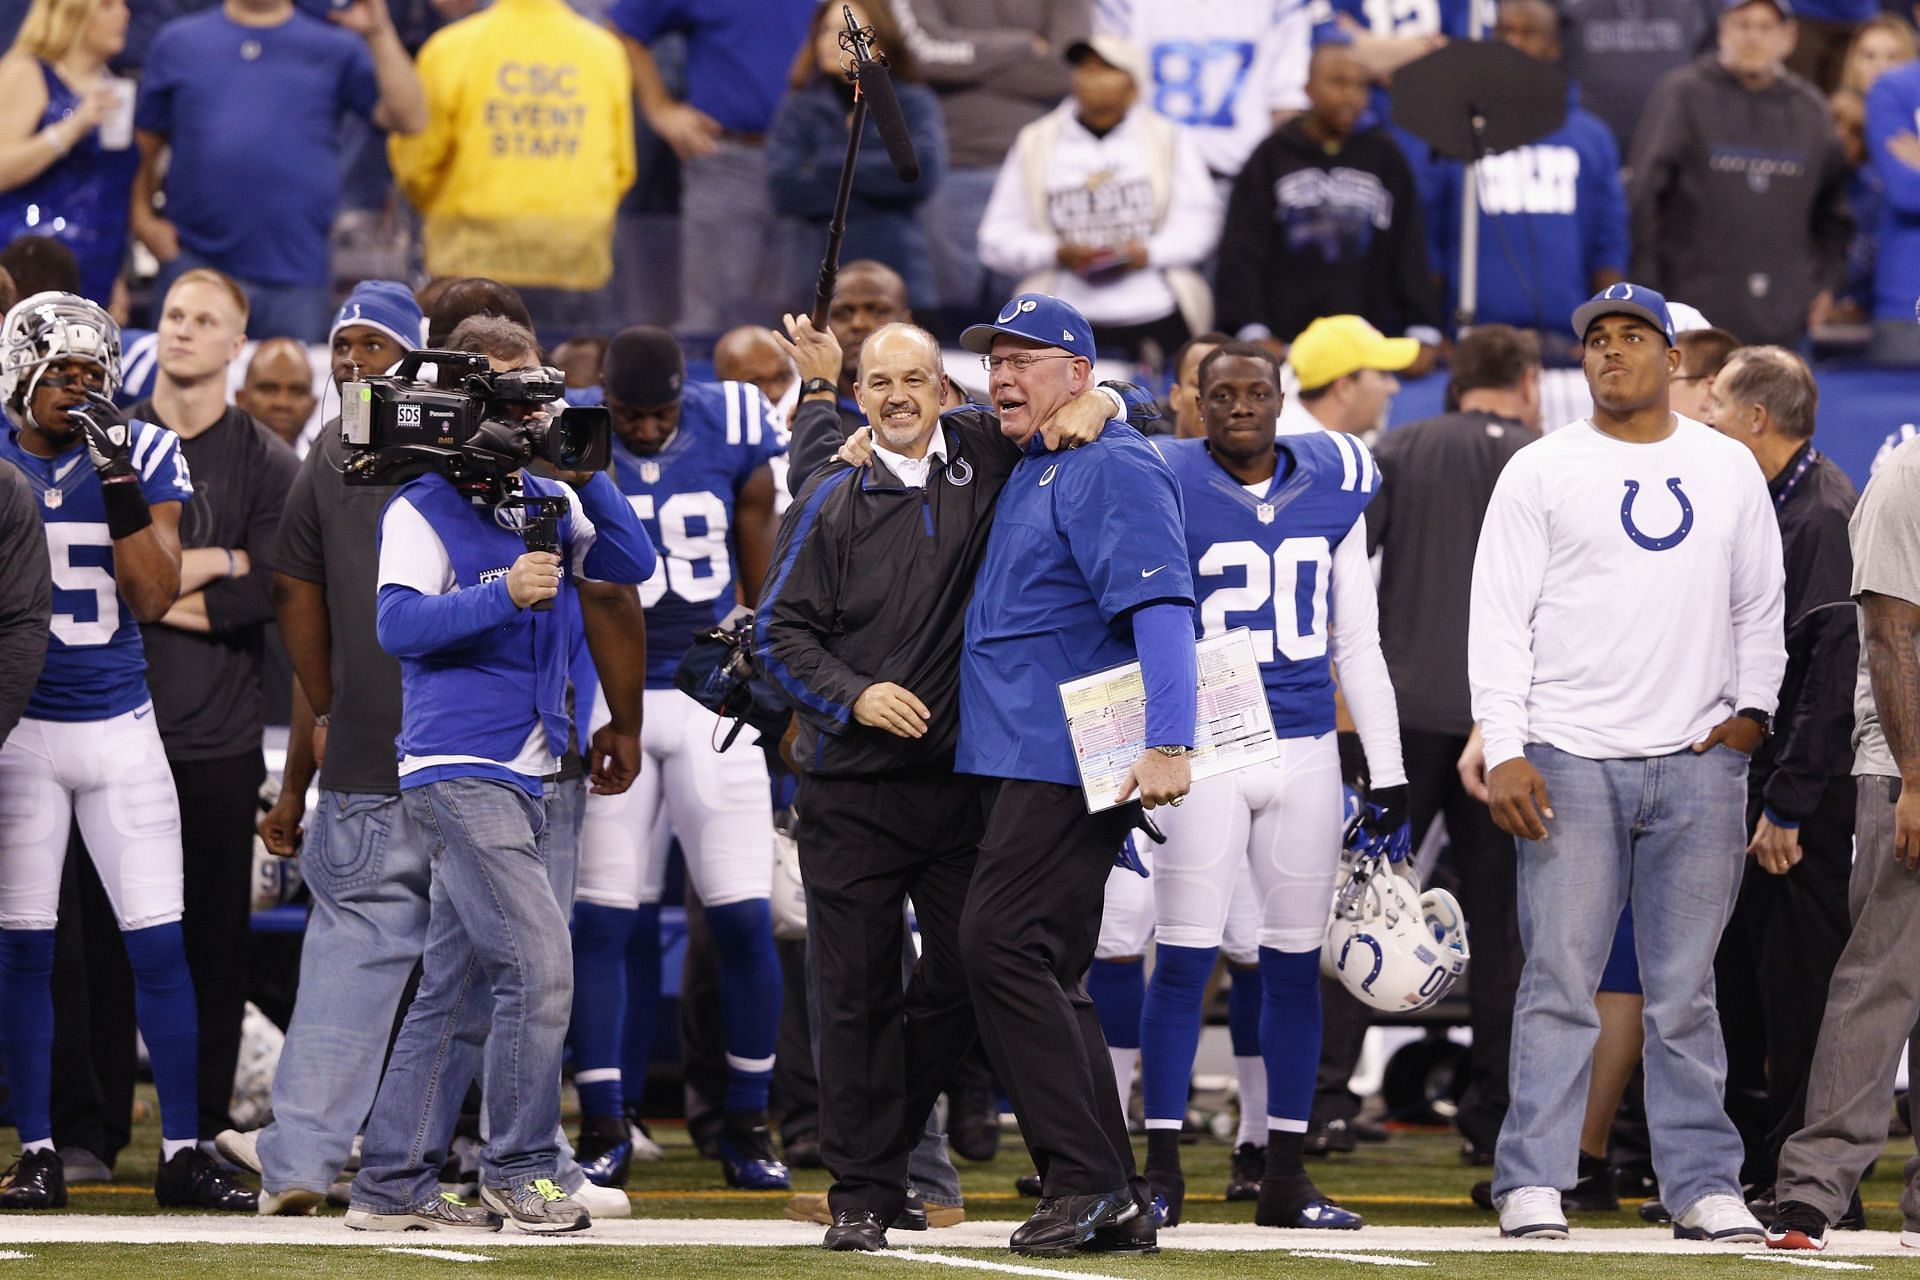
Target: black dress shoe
[
  {"x": 37, "y": 1181},
  {"x": 973, "y": 1124},
  {"x": 1061, "y": 1224},
  {"x": 1027, "y": 1184},
  {"x": 191, "y": 1180},
  {"x": 1137, "y": 1234},
  {"x": 856, "y": 1231},
  {"x": 912, "y": 1215}
]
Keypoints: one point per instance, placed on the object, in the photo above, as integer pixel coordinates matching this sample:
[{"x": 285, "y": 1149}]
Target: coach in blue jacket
[
  {"x": 1086, "y": 569},
  {"x": 483, "y": 680}
]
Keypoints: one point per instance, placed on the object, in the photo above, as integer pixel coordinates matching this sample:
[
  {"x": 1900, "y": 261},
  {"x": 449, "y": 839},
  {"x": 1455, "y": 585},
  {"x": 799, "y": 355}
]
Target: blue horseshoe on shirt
[{"x": 1671, "y": 540}]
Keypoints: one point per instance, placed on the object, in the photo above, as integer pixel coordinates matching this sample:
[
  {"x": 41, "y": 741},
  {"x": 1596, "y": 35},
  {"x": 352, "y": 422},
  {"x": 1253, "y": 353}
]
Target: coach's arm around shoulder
[{"x": 800, "y": 608}]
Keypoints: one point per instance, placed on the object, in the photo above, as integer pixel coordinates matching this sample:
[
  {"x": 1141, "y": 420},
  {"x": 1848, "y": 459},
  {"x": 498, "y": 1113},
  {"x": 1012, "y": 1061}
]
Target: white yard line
[
  {"x": 980, "y": 1264},
  {"x": 1793, "y": 1259},
  {"x": 991, "y": 1237},
  {"x": 445, "y": 1255},
  {"x": 12, "y": 1255},
  {"x": 1376, "y": 1259}
]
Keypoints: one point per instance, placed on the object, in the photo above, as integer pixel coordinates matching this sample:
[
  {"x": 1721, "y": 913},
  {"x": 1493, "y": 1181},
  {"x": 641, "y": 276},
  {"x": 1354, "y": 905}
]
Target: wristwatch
[
  {"x": 1758, "y": 716},
  {"x": 816, "y": 386},
  {"x": 1172, "y": 751}
]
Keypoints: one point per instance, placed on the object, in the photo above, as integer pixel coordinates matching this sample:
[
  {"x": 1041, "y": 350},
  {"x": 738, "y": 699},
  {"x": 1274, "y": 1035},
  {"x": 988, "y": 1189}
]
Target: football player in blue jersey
[
  {"x": 1275, "y": 535},
  {"x": 111, "y": 493},
  {"x": 693, "y": 460}
]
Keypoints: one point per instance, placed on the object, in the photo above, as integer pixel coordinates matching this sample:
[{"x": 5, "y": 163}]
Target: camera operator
[{"x": 483, "y": 723}]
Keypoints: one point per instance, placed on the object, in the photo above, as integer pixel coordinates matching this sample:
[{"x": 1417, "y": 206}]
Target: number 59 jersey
[
  {"x": 1263, "y": 559},
  {"x": 684, "y": 495},
  {"x": 96, "y": 668}
]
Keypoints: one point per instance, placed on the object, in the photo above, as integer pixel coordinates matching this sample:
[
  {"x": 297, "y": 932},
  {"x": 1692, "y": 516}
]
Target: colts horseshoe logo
[{"x": 1671, "y": 540}]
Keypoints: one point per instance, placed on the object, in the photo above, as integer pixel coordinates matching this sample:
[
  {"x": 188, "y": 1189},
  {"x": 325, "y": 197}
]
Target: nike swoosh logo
[
  {"x": 143, "y": 713},
  {"x": 1047, "y": 479},
  {"x": 1148, "y": 573}
]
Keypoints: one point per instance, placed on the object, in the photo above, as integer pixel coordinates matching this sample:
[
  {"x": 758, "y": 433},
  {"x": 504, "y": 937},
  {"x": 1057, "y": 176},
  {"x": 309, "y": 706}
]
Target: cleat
[
  {"x": 36, "y": 1181},
  {"x": 1249, "y": 1167},
  {"x": 1335, "y": 1137},
  {"x": 855, "y": 1231},
  {"x": 746, "y": 1156},
  {"x": 1594, "y": 1192},
  {"x": 645, "y": 1149},
  {"x": 1295, "y": 1202},
  {"x": 1061, "y": 1224},
  {"x": 191, "y": 1180},
  {"x": 1719, "y": 1217},
  {"x": 605, "y": 1150},
  {"x": 1167, "y": 1196},
  {"x": 1027, "y": 1184},
  {"x": 1798, "y": 1225},
  {"x": 442, "y": 1213},
  {"x": 1533, "y": 1213},
  {"x": 538, "y": 1205}
]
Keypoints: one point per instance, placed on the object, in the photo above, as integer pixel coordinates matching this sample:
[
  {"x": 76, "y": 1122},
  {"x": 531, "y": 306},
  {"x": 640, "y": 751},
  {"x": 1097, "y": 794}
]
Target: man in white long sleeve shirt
[
  {"x": 1625, "y": 654},
  {"x": 1106, "y": 204}
]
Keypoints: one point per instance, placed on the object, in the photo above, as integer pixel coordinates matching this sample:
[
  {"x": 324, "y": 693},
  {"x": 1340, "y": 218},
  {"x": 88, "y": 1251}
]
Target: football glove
[
  {"x": 1129, "y": 857},
  {"x": 109, "y": 437},
  {"x": 1379, "y": 827}
]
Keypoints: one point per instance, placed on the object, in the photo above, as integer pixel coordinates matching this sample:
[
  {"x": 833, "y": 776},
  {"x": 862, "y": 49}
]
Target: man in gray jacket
[{"x": 1738, "y": 186}]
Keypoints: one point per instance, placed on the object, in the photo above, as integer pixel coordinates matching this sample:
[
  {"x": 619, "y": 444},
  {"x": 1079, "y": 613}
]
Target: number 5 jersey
[{"x": 96, "y": 668}]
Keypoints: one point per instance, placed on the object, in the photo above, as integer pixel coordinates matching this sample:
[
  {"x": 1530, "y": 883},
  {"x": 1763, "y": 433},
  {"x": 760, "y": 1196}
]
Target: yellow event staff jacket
[{"x": 528, "y": 146}]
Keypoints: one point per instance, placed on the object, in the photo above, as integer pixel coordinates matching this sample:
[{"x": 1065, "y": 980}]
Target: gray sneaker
[
  {"x": 538, "y": 1205},
  {"x": 442, "y": 1213}
]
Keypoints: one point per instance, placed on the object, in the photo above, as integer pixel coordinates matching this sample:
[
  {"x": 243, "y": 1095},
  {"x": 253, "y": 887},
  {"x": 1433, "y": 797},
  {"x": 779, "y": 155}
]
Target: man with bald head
[
  {"x": 871, "y": 663},
  {"x": 279, "y": 388}
]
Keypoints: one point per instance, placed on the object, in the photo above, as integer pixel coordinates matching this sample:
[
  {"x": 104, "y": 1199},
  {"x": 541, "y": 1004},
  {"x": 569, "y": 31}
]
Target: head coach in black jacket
[{"x": 860, "y": 626}]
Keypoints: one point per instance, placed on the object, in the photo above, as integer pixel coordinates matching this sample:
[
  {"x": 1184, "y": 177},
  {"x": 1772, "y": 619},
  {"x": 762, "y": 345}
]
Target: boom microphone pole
[{"x": 871, "y": 85}]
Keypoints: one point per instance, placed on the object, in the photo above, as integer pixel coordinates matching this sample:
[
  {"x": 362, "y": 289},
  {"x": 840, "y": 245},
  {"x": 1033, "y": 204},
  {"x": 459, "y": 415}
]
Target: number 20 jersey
[
  {"x": 684, "y": 495},
  {"x": 1265, "y": 561},
  {"x": 96, "y": 668}
]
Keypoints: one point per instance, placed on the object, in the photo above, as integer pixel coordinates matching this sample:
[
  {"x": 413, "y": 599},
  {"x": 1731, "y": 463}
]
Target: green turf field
[{"x": 1415, "y": 1180}]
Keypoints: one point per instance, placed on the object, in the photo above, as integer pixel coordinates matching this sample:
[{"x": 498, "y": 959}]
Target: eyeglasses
[{"x": 1022, "y": 362}]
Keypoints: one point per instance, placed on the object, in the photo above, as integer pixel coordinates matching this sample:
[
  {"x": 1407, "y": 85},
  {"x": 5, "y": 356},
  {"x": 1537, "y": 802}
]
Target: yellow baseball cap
[{"x": 1334, "y": 346}]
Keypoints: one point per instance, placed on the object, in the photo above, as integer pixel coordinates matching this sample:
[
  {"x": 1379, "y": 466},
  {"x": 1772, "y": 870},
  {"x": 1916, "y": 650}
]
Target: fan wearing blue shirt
[
  {"x": 484, "y": 721},
  {"x": 1553, "y": 214},
  {"x": 88, "y": 748},
  {"x": 1086, "y": 569},
  {"x": 1893, "y": 117},
  {"x": 246, "y": 100}
]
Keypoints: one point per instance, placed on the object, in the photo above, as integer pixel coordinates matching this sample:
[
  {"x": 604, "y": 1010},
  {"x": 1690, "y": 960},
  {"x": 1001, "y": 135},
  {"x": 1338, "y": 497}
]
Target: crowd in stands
[{"x": 675, "y": 163}]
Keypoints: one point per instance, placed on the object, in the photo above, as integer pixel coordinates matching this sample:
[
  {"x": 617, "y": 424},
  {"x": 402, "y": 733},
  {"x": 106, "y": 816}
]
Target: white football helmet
[
  {"x": 54, "y": 326},
  {"x": 1393, "y": 950}
]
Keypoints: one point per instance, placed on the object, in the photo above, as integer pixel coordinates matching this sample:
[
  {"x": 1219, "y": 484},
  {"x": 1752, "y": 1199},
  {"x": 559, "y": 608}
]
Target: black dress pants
[
  {"x": 1031, "y": 924},
  {"x": 867, "y": 845}
]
